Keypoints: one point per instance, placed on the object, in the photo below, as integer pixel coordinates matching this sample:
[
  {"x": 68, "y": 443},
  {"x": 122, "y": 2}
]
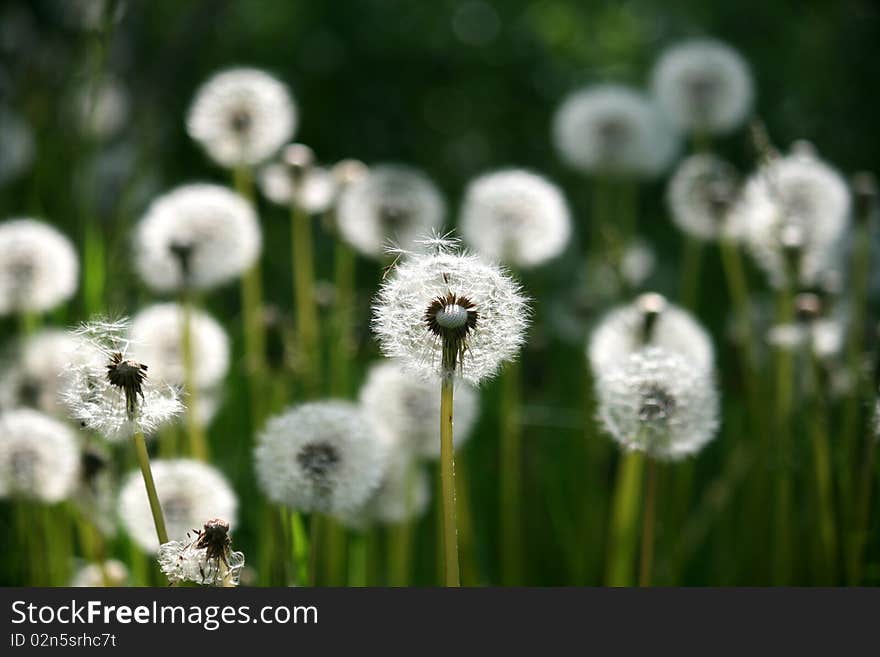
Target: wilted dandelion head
[
  {"x": 443, "y": 296},
  {"x": 241, "y": 116},
  {"x": 658, "y": 402},
  {"x": 648, "y": 321},
  {"x": 156, "y": 335},
  {"x": 701, "y": 194},
  {"x": 114, "y": 396},
  {"x": 198, "y": 236},
  {"x": 95, "y": 575},
  {"x": 404, "y": 494},
  {"x": 392, "y": 203},
  {"x": 18, "y": 150},
  {"x": 189, "y": 492},
  {"x": 314, "y": 191},
  {"x": 792, "y": 215},
  {"x": 320, "y": 456},
  {"x": 38, "y": 267},
  {"x": 205, "y": 557},
  {"x": 704, "y": 86},
  {"x": 613, "y": 130},
  {"x": 516, "y": 217},
  {"x": 39, "y": 457},
  {"x": 31, "y": 375},
  {"x": 401, "y": 405}
]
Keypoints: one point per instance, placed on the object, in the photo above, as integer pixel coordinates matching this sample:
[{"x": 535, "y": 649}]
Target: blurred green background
[{"x": 455, "y": 88}]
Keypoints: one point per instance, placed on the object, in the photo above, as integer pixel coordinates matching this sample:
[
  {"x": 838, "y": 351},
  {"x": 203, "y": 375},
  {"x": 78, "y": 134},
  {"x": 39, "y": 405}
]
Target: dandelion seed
[
  {"x": 108, "y": 573},
  {"x": 794, "y": 207},
  {"x": 515, "y": 216},
  {"x": 649, "y": 320},
  {"x": 613, "y": 130},
  {"x": 391, "y": 204},
  {"x": 242, "y": 117},
  {"x": 397, "y": 404},
  {"x": 38, "y": 267},
  {"x": 115, "y": 397},
  {"x": 156, "y": 337},
  {"x": 441, "y": 295},
  {"x": 704, "y": 86},
  {"x": 199, "y": 236},
  {"x": 701, "y": 194},
  {"x": 658, "y": 402},
  {"x": 189, "y": 492},
  {"x": 204, "y": 557},
  {"x": 39, "y": 457},
  {"x": 18, "y": 150},
  {"x": 320, "y": 456}
]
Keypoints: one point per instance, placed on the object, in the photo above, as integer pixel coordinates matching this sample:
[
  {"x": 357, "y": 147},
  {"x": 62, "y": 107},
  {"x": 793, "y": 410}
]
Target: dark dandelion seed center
[
  {"x": 183, "y": 253},
  {"x": 240, "y": 121},
  {"x": 657, "y": 405},
  {"x": 177, "y": 509},
  {"x": 129, "y": 375},
  {"x": 613, "y": 133},
  {"x": 30, "y": 391},
  {"x": 451, "y": 316},
  {"x": 318, "y": 460},
  {"x": 214, "y": 539},
  {"x": 702, "y": 90}
]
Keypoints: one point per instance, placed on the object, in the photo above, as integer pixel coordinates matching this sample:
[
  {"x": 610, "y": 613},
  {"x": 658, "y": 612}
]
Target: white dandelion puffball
[
  {"x": 204, "y": 557},
  {"x": 402, "y": 408},
  {"x": 391, "y": 204},
  {"x": 33, "y": 378},
  {"x": 241, "y": 117},
  {"x": 795, "y": 199},
  {"x": 621, "y": 332},
  {"x": 107, "y": 573},
  {"x": 18, "y": 150},
  {"x": 38, "y": 267},
  {"x": 315, "y": 193},
  {"x": 638, "y": 262},
  {"x": 703, "y": 85},
  {"x": 190, "y": 493},
  {"x": 516, "y": 217},
  {"x": 39, "y": 457},
  {"x": 404, "y": 494},
  {"x": 659, "y": 403},
  {"x": 701, "y": 194},
  {"x": 613, "y": 130},
  {"x": 199, "y": 235},
  {"x": 115, "y": 396},
  {"x": 320, "y": 456},
  {"x": 157, "y": 337},
  {"x": 444, "y": 294}
]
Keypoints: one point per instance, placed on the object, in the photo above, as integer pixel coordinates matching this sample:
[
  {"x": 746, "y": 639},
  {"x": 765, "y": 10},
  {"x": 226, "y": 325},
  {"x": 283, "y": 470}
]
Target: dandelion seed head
[
  {"x": 659, "y": 403},
  {"x": 38, "y": 267},
  {"x": 114, "y": 396},
  {"x": 703, "y": 85},
  {"x": 701, "y": 194},
  {"x": 204, "y": 557},
  {"x": 31, "y": 377},
  {"x": 39, "y": 457},
  {"x": 242, "y": 116},
  {"x": 314, "y": 192},
  {"x": 157, "y": 336},
  {"x": 796, "y": 204},
  {"x": 613, "y": 130},
  {"x": 189, "y": 492},
  {"x": 392, "y": 203},
  {"x": 17, "y": 154},
  {"x": 95, "y": 575},
  {"x": 198, "y": 235},
  {"x": 320, "y": 456},
  {"x": 427, "y": 288},
  {"x": 516, "y": 217},
  {"x": 403, "y": 407},
  {"x": 621, "y": 332}
]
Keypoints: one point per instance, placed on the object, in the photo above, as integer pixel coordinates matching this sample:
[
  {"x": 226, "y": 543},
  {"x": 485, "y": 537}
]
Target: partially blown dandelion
[
  {"x": 204, "y": 557},
  {"x": 701, "y": 194},
  {"x": 241, "y": 117}
]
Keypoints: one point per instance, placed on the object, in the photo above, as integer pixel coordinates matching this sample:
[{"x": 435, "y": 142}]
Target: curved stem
[{"x": 143, "y": 458}]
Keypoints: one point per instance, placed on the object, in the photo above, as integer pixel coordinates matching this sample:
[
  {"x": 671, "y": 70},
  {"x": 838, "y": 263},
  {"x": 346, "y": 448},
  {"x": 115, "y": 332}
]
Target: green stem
[
  {"x": 447, "y": 470},
  {"x": 357, "y": 563},
  {"x": 822, "y": 464},
  {"x": 316, "y": 530},
  {"x": 300, "y": 547},
  {"x": 336, "y": 552},
  {"x": 198, "y": 444},
  {"x": 782, "y": 566},
  {"x": 143, "y": 458},
  {"x": 623, "y": 531},
  {"x": 304, "y": 297},
  {"x": 857, "y": 547},
  {"x": 511, "y": 478},
  {"x": 341, "y": 352},
  {"x": 646, "y": 563},
  {"x": 690, "y": 273}
]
